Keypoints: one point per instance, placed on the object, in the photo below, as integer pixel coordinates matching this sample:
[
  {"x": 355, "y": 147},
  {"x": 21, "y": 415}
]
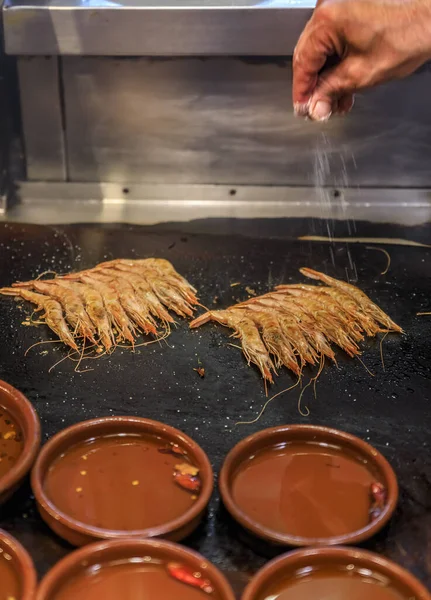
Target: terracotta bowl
[
  {"x": 22, "y": 563},
  {"x": 290, "y": 566},
  {"x": 344, "y": 443},
  {"x": 25, "y": 415},
  {"x": 119, "y": 551},
  {"x": 79, "y": 533}
]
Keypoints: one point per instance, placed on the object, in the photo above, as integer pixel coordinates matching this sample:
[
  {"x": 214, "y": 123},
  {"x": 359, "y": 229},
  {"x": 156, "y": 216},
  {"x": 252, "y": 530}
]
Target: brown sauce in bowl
[
  {"x": 307, "y": 490},
  {"x": 120, "y": 482},
  {"x": 9, "y": 581},
  {"x": 11, "y": 441},
  {"x": 140, "y": 577},
  {"x": 334, "y": 584}
]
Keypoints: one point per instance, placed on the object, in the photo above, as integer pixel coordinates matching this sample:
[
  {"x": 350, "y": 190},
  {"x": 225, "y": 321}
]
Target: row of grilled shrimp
[
  {"x": 110, "y": 303},
  {"x": 296, "y": 324}
]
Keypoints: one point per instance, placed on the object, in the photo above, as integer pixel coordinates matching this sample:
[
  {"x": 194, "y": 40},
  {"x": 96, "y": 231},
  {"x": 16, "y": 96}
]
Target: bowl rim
[
  {"x": 32, "y": 438},
  {"x": 284, "y": 539},
  {"x": 45, "y": 458},
  {"x": 25, "y": 562},
  {"x": 82, "y": 555},
  {"x": 289, "y": 560}
]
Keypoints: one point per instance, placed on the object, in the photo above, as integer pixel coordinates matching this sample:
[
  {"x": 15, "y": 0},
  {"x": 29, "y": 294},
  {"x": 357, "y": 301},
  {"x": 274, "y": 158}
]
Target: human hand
[{"x": 375, "y": 41}]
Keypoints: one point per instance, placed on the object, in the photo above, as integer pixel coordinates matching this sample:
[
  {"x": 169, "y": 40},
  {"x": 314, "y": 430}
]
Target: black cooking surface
[{"x": 391, "y": 409}]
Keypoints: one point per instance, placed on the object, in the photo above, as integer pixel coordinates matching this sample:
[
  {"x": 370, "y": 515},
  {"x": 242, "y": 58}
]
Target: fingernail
[
  {"x": 301, "y": 109},
  {"x": 322, "y": 111}
]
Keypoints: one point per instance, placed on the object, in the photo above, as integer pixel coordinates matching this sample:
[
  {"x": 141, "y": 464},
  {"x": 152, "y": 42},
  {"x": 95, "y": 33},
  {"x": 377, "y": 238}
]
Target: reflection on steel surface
[
  {"x": 148, "y": 204},
  {"x": 214, "y": 121},
  {"x": 223, "y": 121},
  {"x": 142, "y": 27}
]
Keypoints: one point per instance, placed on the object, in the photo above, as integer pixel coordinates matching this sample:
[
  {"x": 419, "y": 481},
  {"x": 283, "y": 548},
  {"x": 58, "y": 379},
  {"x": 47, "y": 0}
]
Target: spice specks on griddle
[{"x": 11, "y": 441}]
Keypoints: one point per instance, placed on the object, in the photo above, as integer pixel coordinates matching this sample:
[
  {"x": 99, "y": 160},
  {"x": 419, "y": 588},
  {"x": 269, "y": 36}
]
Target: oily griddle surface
[{"x": 391, "y": 410}]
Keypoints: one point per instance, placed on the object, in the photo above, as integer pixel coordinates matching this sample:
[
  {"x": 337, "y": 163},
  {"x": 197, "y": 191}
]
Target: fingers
[
  {"x": 374, "y": 41},
  {"x": 334, "y": 90},
  {"x": 345, "y": 104},
  {"x": 320, "y": 96},
  {"x": 319, "y": 41},
  {"x": 310, "y": 56}
]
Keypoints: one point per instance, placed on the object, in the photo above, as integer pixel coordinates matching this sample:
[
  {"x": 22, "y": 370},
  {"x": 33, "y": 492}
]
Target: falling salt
[{"x": 330, "y": 170}]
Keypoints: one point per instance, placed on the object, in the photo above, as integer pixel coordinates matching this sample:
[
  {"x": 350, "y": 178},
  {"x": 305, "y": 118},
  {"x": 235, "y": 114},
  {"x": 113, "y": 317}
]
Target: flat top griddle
[{"x": 391, "y": 410}]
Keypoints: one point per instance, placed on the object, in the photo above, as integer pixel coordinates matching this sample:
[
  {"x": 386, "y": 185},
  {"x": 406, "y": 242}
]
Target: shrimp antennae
[
  {"x": 39, "y": 343},
  {"x": 264, "y": 407},
  {"x": 301, "y": 412}
]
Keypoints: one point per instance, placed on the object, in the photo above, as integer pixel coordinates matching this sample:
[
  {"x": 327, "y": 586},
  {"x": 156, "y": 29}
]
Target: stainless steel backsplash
[{"x": 213, "y": 121}]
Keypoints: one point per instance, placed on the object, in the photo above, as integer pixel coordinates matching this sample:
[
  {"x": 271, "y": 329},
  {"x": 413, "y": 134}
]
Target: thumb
[{"x": 334, "y": 85}]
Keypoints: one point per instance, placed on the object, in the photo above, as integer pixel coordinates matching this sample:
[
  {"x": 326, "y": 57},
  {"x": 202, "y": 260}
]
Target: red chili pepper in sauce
[
  {"x": 378, "y": 499},
  {"x": 189, "y": 577},
  {"x": 378, "y": 493},
  {"x": 192, "y": 483}
]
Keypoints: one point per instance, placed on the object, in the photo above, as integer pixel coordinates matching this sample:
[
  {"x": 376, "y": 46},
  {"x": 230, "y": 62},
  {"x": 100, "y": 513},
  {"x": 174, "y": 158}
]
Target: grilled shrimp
[
  {"x": 53, "y": 314},
  {"x": 157, "y": 282},
  {"x": 115, "y": 311},
  {"x": 114, "y": 300},
  {"x": 341, "y": 300},
  {"x": 143, "y": 289},
  {"x": 95, "y": 308},
  {"x": 162, "y": 267},
  {"x": 327, "y": 310},
  {"x": 167, "y": 294},
  {"x": 137, "y": 311},
  {"x": 328, "y": 324},
  {"x": 360, "y": 298},
  {"x": 274, "y": 338},
  {"x": 299, "y": 325},
  {"x": 167, "y": 273},
  {"x": 72, "y": 304},
  {"x": 245, "y": 329},
  {"x": 295, "y": 333}
]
